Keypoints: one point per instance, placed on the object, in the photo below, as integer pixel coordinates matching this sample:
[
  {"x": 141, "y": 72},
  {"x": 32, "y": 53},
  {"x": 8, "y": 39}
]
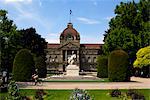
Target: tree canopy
[
  {"x": 8, "y": 35},
  {"x": 12, "y": 40},
  {"x": 143, "y": 57},
  {"x": 129, "y": 29}
]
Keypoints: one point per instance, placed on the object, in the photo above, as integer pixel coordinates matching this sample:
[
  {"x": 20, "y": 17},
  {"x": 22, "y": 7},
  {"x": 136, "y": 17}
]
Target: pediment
[{"x": 69, "y": 45}]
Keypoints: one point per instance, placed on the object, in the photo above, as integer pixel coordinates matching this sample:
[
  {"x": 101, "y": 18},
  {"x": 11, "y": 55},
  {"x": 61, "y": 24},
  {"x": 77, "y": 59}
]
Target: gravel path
[{"x": 140, "y": 83}]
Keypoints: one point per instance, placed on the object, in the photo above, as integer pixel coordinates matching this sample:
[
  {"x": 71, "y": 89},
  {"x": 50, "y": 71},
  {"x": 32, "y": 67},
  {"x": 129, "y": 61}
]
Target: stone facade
[{"x": 57, "y": 54}]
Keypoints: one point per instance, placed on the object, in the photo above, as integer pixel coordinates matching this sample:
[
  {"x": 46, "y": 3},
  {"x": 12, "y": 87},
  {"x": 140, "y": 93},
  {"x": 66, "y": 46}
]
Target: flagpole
[{"x": 70, "y": 16}]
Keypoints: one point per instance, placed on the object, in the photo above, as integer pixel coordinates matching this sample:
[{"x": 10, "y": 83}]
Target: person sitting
[{"x": 35, "y": 78}]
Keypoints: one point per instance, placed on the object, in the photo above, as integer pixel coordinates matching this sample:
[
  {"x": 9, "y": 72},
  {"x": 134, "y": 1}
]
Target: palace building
[{"x": 57, "y": 54}]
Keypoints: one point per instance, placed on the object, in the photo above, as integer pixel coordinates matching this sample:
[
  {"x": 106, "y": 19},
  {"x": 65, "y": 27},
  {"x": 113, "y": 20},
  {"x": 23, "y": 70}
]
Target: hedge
[
  {"x": 118, "y": 66},
  {"x": 102, "y": 66},
  {"x": 23, "y": 66}
]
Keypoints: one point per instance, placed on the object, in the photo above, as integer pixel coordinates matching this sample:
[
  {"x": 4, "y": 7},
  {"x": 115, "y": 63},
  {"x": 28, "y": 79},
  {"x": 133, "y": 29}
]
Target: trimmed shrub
[
  {"x": 39, "y": 94},
  {"x": 135, "y": 95},
  {"x": 118, "y": 66},
  {"x": 40, "y": 64},
  {"x": 23, "y": 66},
  {"x": 115, "y": 93},
  {"x": 102, "y": 66}
]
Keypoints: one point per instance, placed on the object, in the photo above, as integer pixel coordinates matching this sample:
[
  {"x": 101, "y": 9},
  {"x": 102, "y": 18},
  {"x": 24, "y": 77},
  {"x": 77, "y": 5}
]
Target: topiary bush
[
  {"x": 40, "y": 64},
  {"x": 118, "y": 66},
  {"x": 134, "y": 95},
  {"x": 102, "y": 66},
  {"x": 115, "y": 93},
  {"x": 23, "y": 66}
]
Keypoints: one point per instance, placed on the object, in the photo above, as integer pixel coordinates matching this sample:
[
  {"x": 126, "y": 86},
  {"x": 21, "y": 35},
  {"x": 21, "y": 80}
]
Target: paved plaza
[{"x": 137, "y": 83}]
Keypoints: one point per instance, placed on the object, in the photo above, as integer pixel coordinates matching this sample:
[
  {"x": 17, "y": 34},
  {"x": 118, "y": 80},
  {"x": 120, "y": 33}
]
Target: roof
[
  {"x": 69, "y": 29},
  {"x": 88, "y": 46},
  {"x": 53, "y": 45},
  {"x": 91, "y": 46}
]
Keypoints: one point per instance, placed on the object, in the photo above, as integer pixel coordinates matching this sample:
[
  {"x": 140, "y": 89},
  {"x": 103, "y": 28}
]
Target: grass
[
  {"x": 101, "y": 80},
  {"x": 64, "y": 94}
]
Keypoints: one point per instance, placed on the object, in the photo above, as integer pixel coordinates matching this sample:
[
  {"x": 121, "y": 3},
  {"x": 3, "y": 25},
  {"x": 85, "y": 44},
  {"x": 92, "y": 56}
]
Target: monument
[{"x": 72, "y": 69}]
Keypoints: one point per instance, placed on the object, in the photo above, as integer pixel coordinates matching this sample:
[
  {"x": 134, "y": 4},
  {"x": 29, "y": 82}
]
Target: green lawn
[
  {"x": 101, "y": 80},
  {"x": 64, "y": 94}
]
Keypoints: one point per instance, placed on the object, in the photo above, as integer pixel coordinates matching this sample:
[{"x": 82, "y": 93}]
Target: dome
[{"x": 70, "y": 33}]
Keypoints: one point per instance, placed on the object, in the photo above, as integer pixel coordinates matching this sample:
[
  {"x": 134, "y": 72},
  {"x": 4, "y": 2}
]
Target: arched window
[
  {"x": 69, "y": 36},
  {"x": 89, "y": 59},
  {"x": 50, "y": 59},
  {"x": 94, "y": 59},
  {"x": 83, "y": 59},
  {"x": 56, "y": 60}
]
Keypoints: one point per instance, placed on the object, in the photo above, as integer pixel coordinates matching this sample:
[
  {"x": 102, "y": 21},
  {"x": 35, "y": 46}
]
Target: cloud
[
  {"x": 17, "y": 1},
  {"x": 87, "y": 20},
  {"x": 40, "y": 3},
  {"x": 89, "y": 39},
  {"x": 95, "y": 3},
  {"x": 109, "y": 18},
  {"x": 52, "y": 40},
  {"x": 53, "y": 34}
]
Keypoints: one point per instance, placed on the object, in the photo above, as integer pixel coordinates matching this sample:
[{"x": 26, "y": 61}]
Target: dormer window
[{"x": 69, "y": 36}]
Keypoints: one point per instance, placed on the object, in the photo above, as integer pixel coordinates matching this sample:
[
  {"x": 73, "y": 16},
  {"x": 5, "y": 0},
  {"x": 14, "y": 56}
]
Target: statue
[
  {"x": 72, "y": 69},
  {"x": 71, "y": 60}
]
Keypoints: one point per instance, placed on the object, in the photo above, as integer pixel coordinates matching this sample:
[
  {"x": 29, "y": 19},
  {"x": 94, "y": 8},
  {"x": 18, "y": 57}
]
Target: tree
[
  {"x": 129, "y": 29},
  {"x": 23, "y": 66},
  {"x": 40, "y": 64},
  {"x": 33, "y": 41},
  {"x": 12, "y": 40},
  {"x": 8, "y": 45},
  {"x": 143, "y": 58}
]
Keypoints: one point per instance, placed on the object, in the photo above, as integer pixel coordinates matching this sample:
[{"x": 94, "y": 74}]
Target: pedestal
[{"x": 72, "y": 70}]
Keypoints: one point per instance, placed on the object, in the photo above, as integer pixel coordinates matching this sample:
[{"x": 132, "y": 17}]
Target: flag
[{"x": 70, "y": 12}]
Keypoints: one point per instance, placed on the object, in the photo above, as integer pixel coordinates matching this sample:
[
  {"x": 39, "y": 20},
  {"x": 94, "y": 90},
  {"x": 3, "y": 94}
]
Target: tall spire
[{"x": 70, "y": 16}]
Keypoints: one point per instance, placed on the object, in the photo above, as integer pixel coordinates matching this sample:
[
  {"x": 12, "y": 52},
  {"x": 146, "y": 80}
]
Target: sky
[{"x": 50, "y": 17}]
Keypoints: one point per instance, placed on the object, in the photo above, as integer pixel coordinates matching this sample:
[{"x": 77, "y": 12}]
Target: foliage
[
  {"x": 135, "y": 95},
  {"x": 40, "y": 64},
  {"x": 33, "y": 41},
  {"x": 79, "y": 94},
  {"x": 8, "y": 41},
  {"x": 39, "y": 94},
  {"x": 13, "y": 91},
  {"x": 129, "y": 29},
  {"x": 12, "y": 40},
  {"x": 115, "y": 93},
  {"x": 102, "y": 66},
  {"x": 23, "y": 66},
  {"x": 118, "y": 68},
  {"x": 143, "y": 57}
]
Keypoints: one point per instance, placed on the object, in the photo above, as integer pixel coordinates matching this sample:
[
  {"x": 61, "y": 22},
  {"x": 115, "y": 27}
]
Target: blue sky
[{"x": 50, "y": 17}]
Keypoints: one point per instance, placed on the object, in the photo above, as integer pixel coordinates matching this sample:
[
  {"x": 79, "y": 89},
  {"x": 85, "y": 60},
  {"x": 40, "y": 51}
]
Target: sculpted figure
[{"x": 71, "y": 60}]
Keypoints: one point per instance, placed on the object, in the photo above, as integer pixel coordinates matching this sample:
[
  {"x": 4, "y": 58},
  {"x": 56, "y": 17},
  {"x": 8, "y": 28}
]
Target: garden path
[{"x": 139, "y": 83}]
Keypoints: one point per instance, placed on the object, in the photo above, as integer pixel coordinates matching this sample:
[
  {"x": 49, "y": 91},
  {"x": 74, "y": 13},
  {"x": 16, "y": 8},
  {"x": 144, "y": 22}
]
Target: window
[
  {"x": 69, "y": 36},
  {"x": 89, "y": 59},
  {"x": 56, "y": 60},
  {"x": 83, "y": 59},
  {"x": 94, "y": 59}
]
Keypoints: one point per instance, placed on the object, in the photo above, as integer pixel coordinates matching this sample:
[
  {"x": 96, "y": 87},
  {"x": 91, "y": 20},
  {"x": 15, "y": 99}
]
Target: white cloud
[
  {"x": 95, "y": 3},
  {"x": 17, "y": 1},
  {"x": 40, "y": 3},
  {"x": 87, "y": 20},
  {"x": 53, "y": 34},
  {"x": 109, "y": 18},
  {"x": 52, "y": 40},
  {"x": 89, "y": 39}
]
